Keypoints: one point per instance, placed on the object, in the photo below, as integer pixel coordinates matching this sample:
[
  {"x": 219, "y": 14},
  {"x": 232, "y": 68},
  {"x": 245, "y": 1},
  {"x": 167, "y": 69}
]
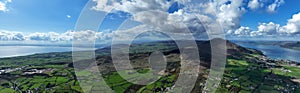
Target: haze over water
[
  {"x": 274, "y": 52},
  {"x": 13, "y": 51}
]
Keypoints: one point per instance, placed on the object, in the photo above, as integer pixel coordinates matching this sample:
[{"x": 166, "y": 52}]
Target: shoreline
[{"x": 23, "y": 51}]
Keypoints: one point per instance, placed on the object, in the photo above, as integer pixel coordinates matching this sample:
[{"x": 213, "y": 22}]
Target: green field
[{"x": 245, "y": 72}]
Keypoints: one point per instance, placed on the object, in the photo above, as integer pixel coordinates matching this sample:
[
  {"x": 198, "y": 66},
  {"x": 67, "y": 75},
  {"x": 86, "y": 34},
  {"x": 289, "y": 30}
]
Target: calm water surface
[
  {"x": 12, "y": 51},
  {"x": 275, "y": 52}
]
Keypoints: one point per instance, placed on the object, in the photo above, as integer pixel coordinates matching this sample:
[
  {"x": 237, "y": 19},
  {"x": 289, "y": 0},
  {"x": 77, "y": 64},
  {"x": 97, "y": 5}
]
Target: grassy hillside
[{"x": 247, "y": 71}]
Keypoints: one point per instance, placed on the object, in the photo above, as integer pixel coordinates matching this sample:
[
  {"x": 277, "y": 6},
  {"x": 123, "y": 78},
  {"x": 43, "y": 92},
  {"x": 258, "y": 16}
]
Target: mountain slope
[{"x": 247, "y": 70}]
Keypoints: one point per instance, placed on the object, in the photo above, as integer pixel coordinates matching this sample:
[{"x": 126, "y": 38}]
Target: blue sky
[
  {"x": 282, "y": 14},
  {"x": 41, "y": 15},
  {"x": 49, "y": 16},
  {"x": 60, "y": 16}
]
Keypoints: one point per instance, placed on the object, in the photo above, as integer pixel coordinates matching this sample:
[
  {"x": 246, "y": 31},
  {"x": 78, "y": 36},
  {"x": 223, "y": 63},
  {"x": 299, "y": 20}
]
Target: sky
[
  {"x": 40, "y": 15},
  {"x": 55, "y": 20}
]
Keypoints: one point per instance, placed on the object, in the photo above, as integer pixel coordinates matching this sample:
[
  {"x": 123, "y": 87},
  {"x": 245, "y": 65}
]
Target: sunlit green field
[{"x": 244, "y": 73}]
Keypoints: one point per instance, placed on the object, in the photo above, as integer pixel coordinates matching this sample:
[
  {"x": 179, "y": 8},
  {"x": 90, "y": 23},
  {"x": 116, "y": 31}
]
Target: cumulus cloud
[
  {"x": 242, "y": 31},
  {"x": 229, "y": 15},
  {"x": 292, "y": 28},
  {"x": 277, "y": 3},
  {"x": 51, "y": 36},
  {"x": 3, "y": 6},
  {"x": 154, "y": 13},
  {"x": 8, "y": 36},
  {"x": 254, "y": 4},
  {"x": 263, "y": 29},
  {"x": 101, "y": 5},
  {"x": 269, "y": 5},
  {"x": 132, "y": 6},
  {"x": 293, "y": 25},
  {"x": 271, "y": 29},
  {"x": 268, "y": 28},
  {"x": 87, "y": 35},
  {"x": 68, "y": 36},
  {"x": 200, "y": 17},
  {"x": 194, "y": 15}
]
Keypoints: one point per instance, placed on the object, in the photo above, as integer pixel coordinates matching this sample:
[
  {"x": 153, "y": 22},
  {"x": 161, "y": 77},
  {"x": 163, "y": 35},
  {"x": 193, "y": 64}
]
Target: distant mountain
[
  {"x": 170, "y": 47},
  {"x": 247, "y": 70},
  {"x": 294, "y": 45}
]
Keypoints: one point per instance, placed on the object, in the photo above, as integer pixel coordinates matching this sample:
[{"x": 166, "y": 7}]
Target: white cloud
[
  {"x": 3, "y": 6},
  {"x": 268, "y": 28},
  {"x": 102, "y": 5},
  {"x": 7, "y": 1},
  {"x": 229, "y": 15},
  {"x": 196, "y": 14},
  {"x": 254, "y": 4},
  {"x": 11, "y": 36},
  {"x": 292, "y": 28},
  {"x": 132, "y": 6},
  {"x": 293, "y": 25},
  {"x": 87, "y": 35},
  {"x": 50, "y": 36},
  {"x": 271, "y": 29},
  {"x": 243, "y": 31},
  {"x": 263, "y": 30},
  {"x": 272, "y": 7},
  {"x": 227, "y": 12},
  {"x": 154, "y": 13},
  {"x": 68, "y": 16}
]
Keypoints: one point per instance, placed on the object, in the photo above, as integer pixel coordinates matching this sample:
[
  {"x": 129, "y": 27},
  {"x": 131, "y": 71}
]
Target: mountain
[
  {"x": 247, "y": 70},
  {"x": 293, "y": 45}
]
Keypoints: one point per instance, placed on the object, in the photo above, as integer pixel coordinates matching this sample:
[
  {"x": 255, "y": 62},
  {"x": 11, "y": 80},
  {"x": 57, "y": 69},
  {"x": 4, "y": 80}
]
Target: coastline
[
  {"x": 17, "y": 51},
  {"x": 242, "y": 64}
]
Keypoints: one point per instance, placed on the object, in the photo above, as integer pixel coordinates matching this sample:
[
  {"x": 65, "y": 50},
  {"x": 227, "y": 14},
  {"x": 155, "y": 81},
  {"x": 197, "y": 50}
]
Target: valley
[{"x": 247, "y": 71}]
